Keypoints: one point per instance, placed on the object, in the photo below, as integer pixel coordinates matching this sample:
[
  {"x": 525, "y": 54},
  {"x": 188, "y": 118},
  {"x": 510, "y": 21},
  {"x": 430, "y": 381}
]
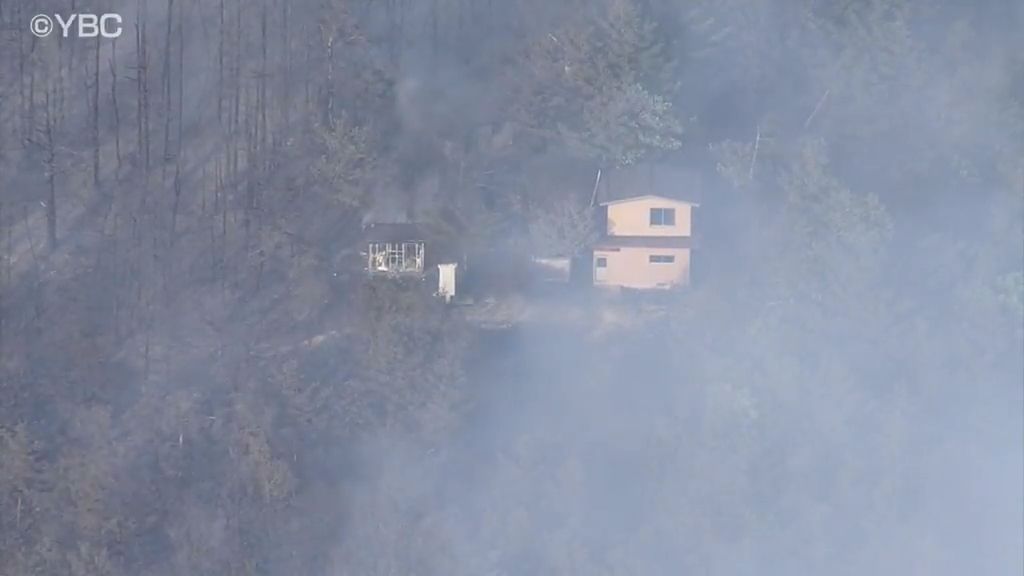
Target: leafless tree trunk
[
  {"x": 262, "y": 96},
  {"x": 26, "y": 120},
  {"x": 251, "y": 122},
  {"x": 139, "y": 73},
  {"x": 30, "y": 124},
  {"x": 177, "y": 202},
  {"x": 5, "y": 264},
  {"x": 29, "y": 237},
  {"x": 237, "y": 104},
  {"x": 96, "y": 120},
  {"x": 330, "y": 78},
  {"x": 60, "y": 75},
  {"x": 145, "y": 353},
  {"x": 113, "y": 102},
  {"x": 286, "y": 68},
  {"x": 115, "y": 259},
  {"x": 181, "y": 119},
  {"x": 181, "y": 77},
  {"x": 142, "y": 85},
  {"x": 165, "y": 82},
  {"x": 51, "y": 175},
  {"x": 224, "y": 237},
  {"x": 220, "y": 69}
]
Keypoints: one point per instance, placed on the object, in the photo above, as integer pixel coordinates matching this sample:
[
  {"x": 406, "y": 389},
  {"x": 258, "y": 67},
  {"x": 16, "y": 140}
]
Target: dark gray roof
[
  {"x": 393, "y": 232},
  {"x": 650, "y": 179}
]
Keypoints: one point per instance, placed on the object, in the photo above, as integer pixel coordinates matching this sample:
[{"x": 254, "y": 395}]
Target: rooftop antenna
[{"x": 593, "y": 197}]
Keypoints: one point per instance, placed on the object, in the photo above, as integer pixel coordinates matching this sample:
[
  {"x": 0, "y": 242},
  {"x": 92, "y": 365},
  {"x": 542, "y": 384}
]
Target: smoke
[{"x": 739, "y": 436}]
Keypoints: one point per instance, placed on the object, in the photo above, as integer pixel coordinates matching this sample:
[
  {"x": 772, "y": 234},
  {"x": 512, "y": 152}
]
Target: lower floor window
[{"x": 661, "y": 259}]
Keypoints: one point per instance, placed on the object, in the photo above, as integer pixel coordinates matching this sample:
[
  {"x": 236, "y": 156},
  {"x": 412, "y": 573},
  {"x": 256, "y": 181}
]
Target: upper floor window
[
  {"x": 663, "y": 216},
  {"x": 661, "y": 259}
]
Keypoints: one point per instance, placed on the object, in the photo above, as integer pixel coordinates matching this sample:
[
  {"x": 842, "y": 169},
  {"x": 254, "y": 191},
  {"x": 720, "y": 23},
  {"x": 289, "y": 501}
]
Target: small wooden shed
[{"x": 394, "y": 249}]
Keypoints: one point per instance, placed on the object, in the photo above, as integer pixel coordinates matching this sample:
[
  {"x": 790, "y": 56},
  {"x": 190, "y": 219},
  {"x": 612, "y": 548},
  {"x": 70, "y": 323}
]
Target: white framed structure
[
  {"x": 405, "y": 257},
  {"x": 394, "y": 249}
]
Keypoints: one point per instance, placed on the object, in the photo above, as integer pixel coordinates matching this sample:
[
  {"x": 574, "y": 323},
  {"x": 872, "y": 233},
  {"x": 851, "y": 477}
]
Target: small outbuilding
[
  {"x": 394, "y": 249},
  {"x": 408, "y": 250}
]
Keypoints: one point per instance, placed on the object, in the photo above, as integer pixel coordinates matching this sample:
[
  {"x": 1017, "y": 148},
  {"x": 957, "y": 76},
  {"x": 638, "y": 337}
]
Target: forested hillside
[{"x": 196, "y": 377}]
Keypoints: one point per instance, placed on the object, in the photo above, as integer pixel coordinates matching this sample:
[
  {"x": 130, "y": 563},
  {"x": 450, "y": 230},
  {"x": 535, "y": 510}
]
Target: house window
[
  {"x": 601, "y": 262},
  {"x": 663, "y": 216},
  {"x": 661, "y": 259}
]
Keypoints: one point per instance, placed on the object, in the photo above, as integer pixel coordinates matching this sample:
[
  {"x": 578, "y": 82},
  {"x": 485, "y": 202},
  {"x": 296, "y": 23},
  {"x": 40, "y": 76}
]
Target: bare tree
[
  {"x": 114, "y": 105},
  {"x": 96, "y": 119},
  {"x": 50, "y": 150},
  {"x": 564, "y": 228}
]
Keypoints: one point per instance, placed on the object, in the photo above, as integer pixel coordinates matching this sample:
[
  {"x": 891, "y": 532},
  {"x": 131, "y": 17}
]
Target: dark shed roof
[{"x": 393, "y": 232}]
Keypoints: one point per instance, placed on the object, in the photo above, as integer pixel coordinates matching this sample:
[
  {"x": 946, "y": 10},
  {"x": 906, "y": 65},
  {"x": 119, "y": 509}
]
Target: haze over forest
[{"x": 196, "y": 376}]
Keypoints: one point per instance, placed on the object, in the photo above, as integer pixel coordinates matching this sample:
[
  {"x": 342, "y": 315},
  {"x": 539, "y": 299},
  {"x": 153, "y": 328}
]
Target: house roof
[
  {"x": 647, "y": 196},
  {"x": 661, "y": 180},
  {"x": 614, "y": 242}
]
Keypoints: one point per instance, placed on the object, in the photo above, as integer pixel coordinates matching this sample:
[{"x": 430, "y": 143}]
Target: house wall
[
  {"x": 632, "y": 218},
  {"x": 631, "y": 268}
]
